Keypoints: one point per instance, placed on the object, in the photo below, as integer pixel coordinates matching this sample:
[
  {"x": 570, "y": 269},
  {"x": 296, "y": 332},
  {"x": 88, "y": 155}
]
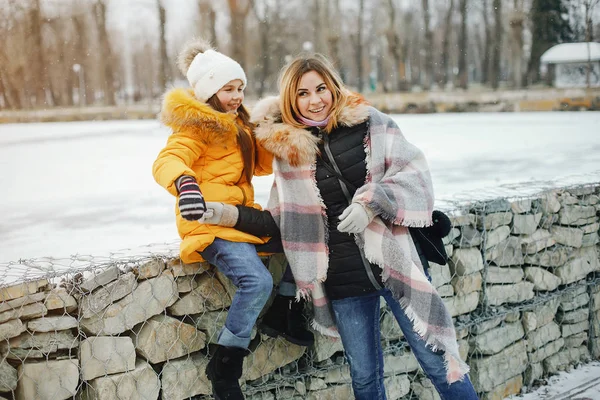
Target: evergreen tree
[{"x": 550, "y": 26}]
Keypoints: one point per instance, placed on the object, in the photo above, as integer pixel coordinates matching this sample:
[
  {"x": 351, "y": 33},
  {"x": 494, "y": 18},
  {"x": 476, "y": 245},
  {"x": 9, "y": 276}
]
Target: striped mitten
[{"x": 191, "y": 202}]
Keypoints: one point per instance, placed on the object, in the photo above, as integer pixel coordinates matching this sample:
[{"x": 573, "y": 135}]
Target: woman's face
[
  {"x": 231, "y": 95},
  {"x": 313, "y": 97}
]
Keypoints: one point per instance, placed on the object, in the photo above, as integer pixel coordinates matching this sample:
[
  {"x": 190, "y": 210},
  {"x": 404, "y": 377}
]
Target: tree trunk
[
  {"x": 517, "y": 18},
  {"x": 463, "y": 73},
  {"x": 39, "y": 67},
  {"x": 333, "y": 38},
  {"x": 426, "y": 82},
  {"x": 238, "y": 10},
  {"x": 497, "y": 48},
  {"x": 164, "y": 75},
  {"x": 487, "y": 45},
  {"x": 208, "y": 17},
  {"x": 446, "y": 72},
  {"x": 359, "y": 47},
  {"x": 395, "y": 49},
  {"x": 86, "y": 92},
  {"x": 317, "y": 26},
  {"x": 106, "y": 54},
  {"x": 264, "y": 27}
]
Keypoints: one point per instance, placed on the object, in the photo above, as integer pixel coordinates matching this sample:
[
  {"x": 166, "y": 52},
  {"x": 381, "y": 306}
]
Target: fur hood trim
[
  {"x": 298, "y": 146},
  {"x": 181, "y": 111}
]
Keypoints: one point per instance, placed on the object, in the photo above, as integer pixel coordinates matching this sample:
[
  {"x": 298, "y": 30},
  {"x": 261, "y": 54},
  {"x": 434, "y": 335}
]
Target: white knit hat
[{"x": 210, "y": 71}]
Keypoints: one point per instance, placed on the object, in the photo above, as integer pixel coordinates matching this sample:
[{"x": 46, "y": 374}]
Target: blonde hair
[{"x": 289, "y": 80}]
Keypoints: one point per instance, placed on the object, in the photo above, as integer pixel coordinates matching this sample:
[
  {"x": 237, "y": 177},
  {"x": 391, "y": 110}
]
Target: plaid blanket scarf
[{"x": 398, "y": 189}]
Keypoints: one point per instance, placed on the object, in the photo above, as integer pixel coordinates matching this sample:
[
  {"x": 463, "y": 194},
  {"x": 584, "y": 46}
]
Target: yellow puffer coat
[{"x": 204, "y": 145}]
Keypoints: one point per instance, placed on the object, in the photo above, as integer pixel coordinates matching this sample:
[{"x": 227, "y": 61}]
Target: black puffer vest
[{"x": 347, "y": 275}]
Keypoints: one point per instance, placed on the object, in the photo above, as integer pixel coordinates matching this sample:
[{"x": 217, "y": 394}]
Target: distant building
[{"x": 567, "y": 63}]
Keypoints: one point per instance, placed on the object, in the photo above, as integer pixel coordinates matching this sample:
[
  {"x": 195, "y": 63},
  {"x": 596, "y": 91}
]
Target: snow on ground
[
  {"x": 582, "y": 383},
  {"x": 87, "y": 188}
]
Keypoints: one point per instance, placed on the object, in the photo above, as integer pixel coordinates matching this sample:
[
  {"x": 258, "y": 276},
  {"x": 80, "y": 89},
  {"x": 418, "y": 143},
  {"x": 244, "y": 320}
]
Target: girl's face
[
  {"x": 313, "y": 97},
  {"x": 231, "y": 95}
]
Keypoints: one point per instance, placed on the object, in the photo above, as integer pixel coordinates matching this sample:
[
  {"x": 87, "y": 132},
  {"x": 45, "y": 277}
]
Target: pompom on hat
[{"x": 206, "y": 69}]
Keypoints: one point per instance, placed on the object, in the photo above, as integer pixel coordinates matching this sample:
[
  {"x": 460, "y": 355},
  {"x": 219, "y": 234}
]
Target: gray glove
[
  {"x": 354, "y": 219},
  {"x": 220, "y": 214}
]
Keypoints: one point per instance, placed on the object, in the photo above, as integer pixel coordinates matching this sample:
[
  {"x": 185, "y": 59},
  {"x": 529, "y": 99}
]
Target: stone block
[
  {"x": 141, "y": 383},
  {"x": 542, "y": 279},
  {"x": 104, "y": 355},
  {"x": 185, "y": 377},
  {"x": 542, "y": 336},
  {"x": 492, "y": 371},
  {"x": 210, "y": 295},
  {"x": 496, "y": 339},
  {"x": 466, "y": 284},
  {"x": 514, "y": 293},
  {"x": 163, "y": 338},
  {"x": 8, "y": 377},
  {"x": 22, "y": 289},
  {"x": 537, "y": 241},
  {"x": 48, "y": 380},
  {"x": 95, "y": 302},
  {"x": 151, "y": 297},
  {"x": 466, "y": 262},
  {"x": 52, "y": 323},
  {"x": 525, "y": 224},
  {"x": 100, "y": 278}
]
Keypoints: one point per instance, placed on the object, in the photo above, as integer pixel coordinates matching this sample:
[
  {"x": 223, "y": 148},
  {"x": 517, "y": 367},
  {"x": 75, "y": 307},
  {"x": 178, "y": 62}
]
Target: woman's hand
[
  {"x": 354, "y": 219},
  {"x": 220, "y": 214}
]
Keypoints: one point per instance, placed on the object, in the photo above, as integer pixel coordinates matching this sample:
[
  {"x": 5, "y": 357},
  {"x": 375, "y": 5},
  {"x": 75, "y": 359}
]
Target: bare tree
[
  {"x": 497, "y": 47},
  {"x": 589, "y": 6},
  {"x": 357, "y": 41},
  {"x": 208, "y": 17},
  {"x": 516, "y": 22},
  {"x": 428, "y": 70},
  {"x": 333, "y": 37},
  {"x": 39, "y": 64},
  {"x": 238, "y": 10},
  {"x": 262, "y": 12},
  {"x": 105, "y": 50},
  {"x": 486, "y": 60},
  {"x": 85, "y": 88},
  {"x": 463, "y": 73},
  {"x": 317, "y": 26},
  {"x": 446, "y": 71},
  {"x": 395, "y": 47},
  {"x": 164, "y": 74}
]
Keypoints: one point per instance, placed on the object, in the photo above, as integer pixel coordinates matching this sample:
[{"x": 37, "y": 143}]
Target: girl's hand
[{"x": 191, "y": 202}]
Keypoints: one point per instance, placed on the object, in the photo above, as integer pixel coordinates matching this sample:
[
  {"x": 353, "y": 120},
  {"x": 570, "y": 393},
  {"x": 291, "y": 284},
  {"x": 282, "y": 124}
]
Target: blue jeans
[
  {"x": 240, "y": 263},
  {"x": 357, "y": 320}
]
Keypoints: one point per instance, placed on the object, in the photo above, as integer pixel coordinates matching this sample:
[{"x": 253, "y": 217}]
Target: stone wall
[{"x": 522, "y": 286}]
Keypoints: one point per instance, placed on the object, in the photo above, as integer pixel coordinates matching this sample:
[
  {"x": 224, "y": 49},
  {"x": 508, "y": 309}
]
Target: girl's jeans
[
  {"x": 357, "y": 320},
  {"x": 240, "y": 263}
]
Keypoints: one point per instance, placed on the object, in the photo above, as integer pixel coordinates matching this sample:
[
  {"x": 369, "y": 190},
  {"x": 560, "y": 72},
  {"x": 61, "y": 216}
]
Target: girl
[
  {"x": 347, "y": 187},
  {"x": 212, "y": 155}
]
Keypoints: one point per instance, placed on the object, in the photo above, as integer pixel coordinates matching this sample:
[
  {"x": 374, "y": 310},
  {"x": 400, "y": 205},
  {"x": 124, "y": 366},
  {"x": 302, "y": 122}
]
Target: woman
[
  {"x": 212, "y": 155},
  {"x": 347, "y": 187}
]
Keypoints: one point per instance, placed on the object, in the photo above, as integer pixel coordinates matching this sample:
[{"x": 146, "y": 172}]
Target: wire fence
[{"x": 522, "y": 286}]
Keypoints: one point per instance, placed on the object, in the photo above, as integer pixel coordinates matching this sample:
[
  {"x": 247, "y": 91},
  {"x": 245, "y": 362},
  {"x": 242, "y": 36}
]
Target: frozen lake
[{"x": 86, "y": 187}]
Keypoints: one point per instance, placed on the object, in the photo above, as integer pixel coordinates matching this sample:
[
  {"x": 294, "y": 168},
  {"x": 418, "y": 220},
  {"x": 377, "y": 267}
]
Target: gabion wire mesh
[{"x": 522, "y": 286}]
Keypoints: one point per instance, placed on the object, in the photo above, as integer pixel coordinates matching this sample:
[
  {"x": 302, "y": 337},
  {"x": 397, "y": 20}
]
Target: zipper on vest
[{"x": 365, "y": 262}]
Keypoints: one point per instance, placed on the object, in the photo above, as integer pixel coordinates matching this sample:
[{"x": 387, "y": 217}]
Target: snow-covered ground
[
  {"x": 87, "y": 187},
  {"x": 582, "y": 383}
]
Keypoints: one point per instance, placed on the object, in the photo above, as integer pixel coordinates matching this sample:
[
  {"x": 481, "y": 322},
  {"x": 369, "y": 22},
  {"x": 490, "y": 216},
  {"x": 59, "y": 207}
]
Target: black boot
[
  {"x": 285, "y": 318},
  {"x": 224, "y": 371}
]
